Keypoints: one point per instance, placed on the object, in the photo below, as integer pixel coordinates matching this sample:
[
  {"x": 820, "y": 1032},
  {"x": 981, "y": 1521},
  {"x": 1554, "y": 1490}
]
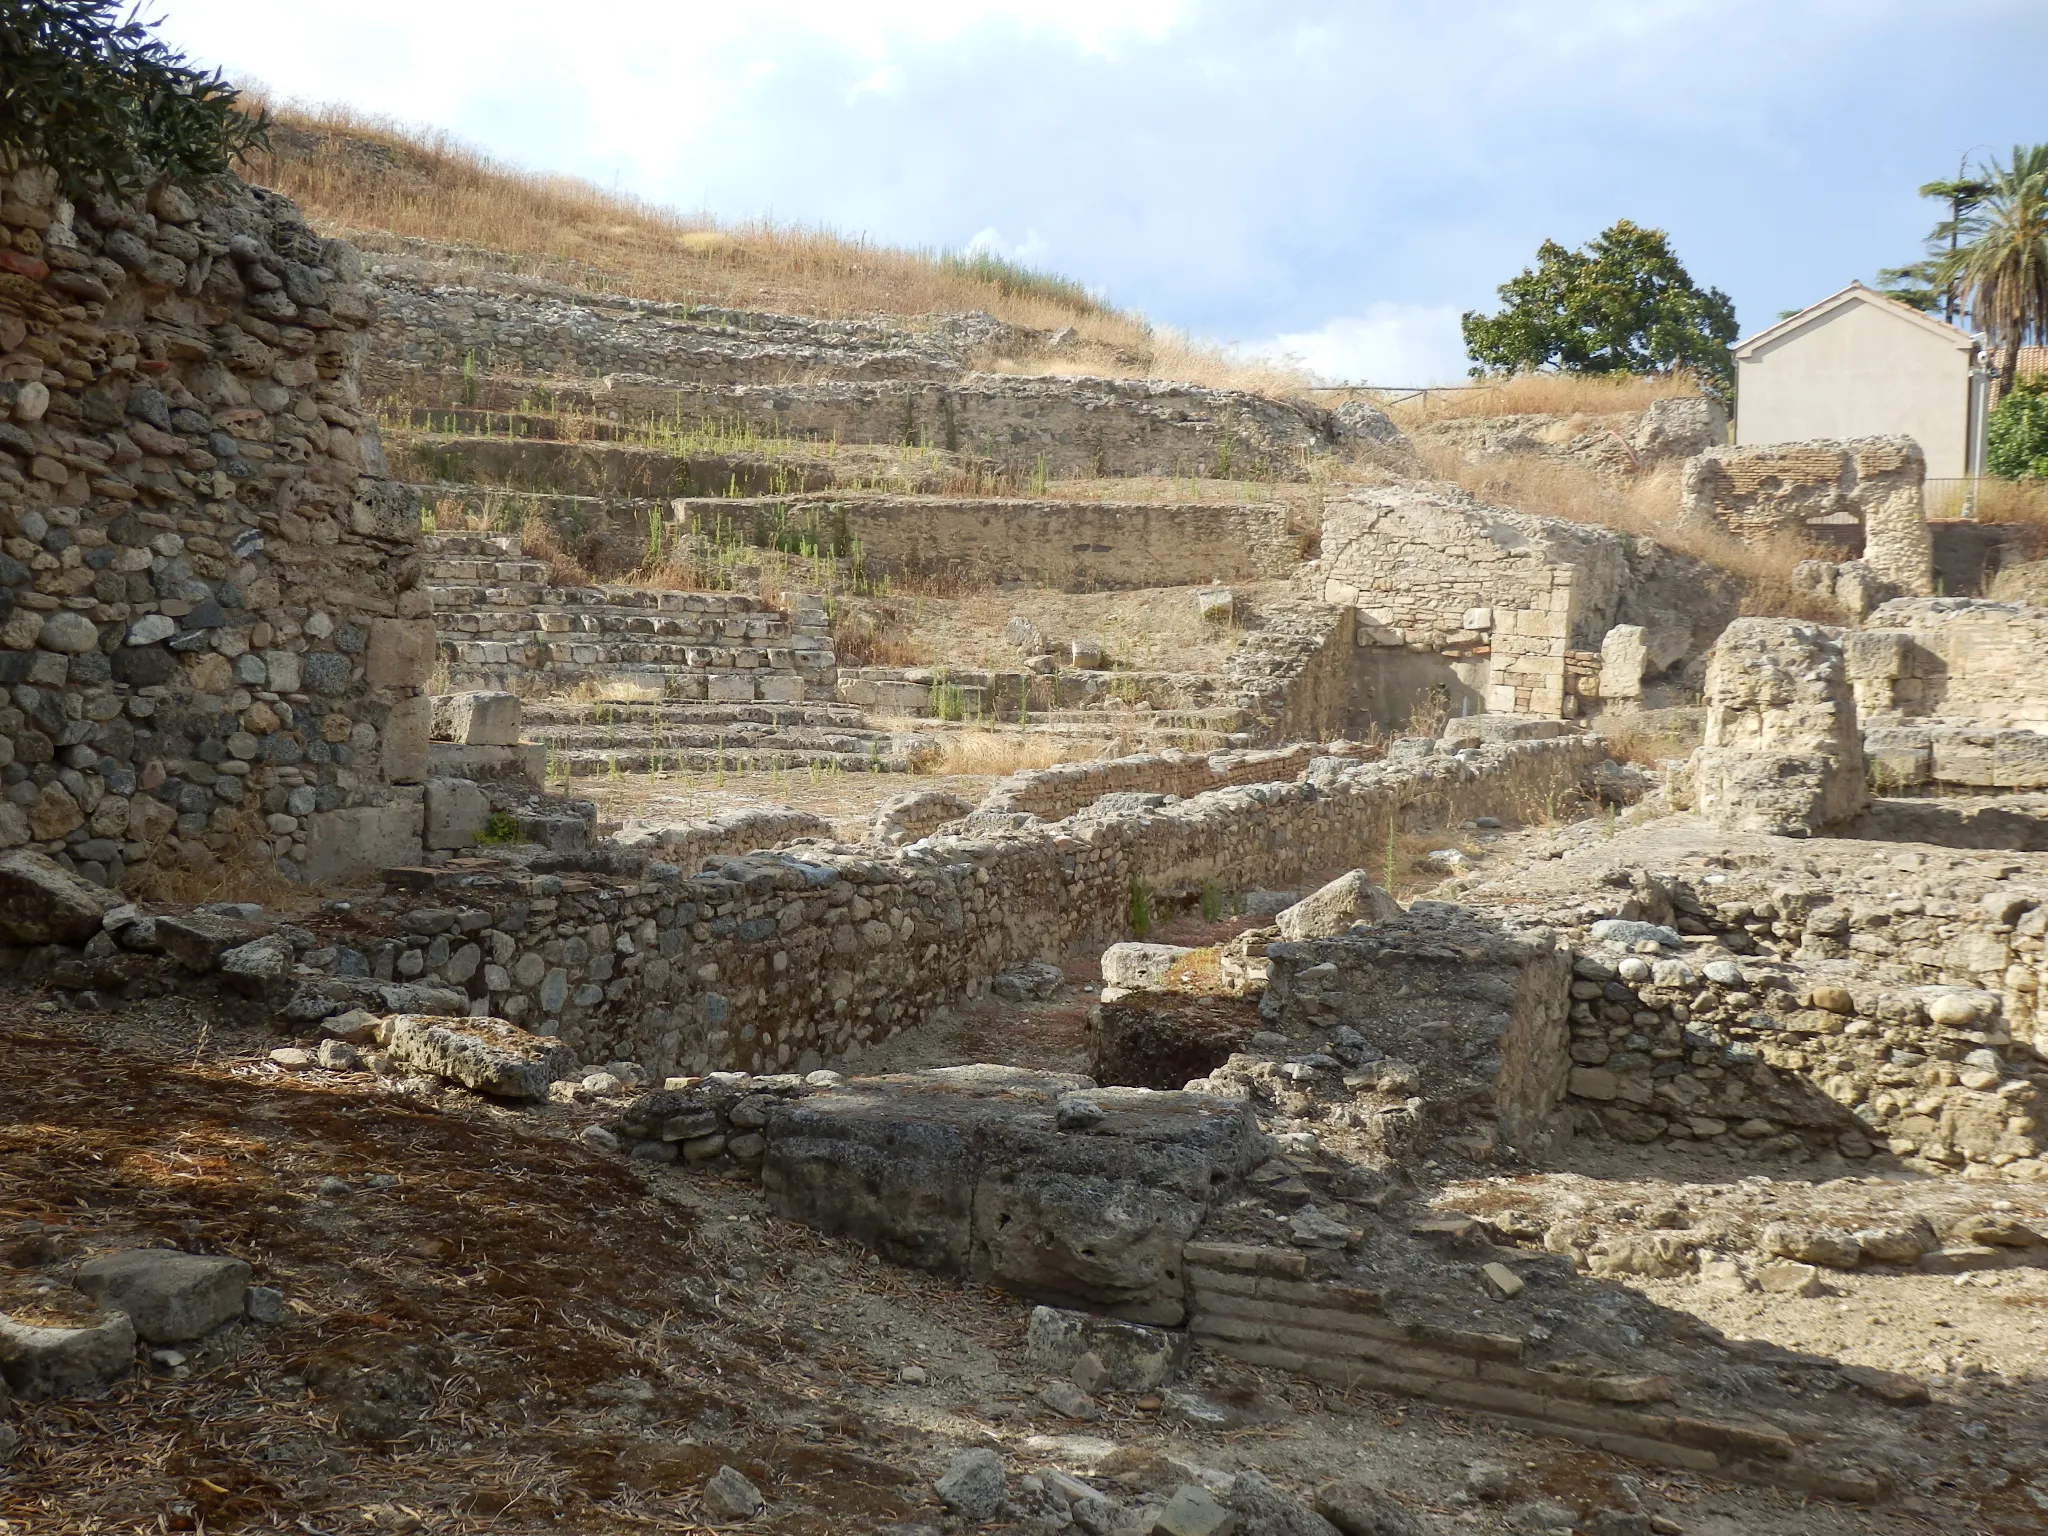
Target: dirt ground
[{"x": 493, "y": 1327}]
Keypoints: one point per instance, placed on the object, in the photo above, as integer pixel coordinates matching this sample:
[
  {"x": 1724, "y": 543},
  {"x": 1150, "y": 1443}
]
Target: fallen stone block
[
  {"x": 1359, "y": 1509},
  {"x": 169, "y": 1296},
  {"x": 1132, "y": 1356},
  {"x": 729, "y": 1496},
  {"x": 198, "y": 940},
  {"x": 972, "y": 1486},
  {"x": 261, "y": 968},
  {"x": 1263, "y": 1509},
  {"x": 1193, "y": 1511},
  {"x": 1330, "y": 912},
  {"x": 42, "y": 902},
  {"x": 1140, "y": 967},
  {"x": 487, "y": 1056},
  {"x": 42, "y": 1363}
]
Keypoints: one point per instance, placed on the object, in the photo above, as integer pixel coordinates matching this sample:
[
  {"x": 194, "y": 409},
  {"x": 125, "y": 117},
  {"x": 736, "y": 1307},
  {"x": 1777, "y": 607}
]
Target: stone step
[
  {"x": 680, "y": 715},
  {"x": 600, "y": 738},
  {"x": 583, "y": 763},
  {"x": 465, "y": 621},
  {"x": 465, "y": 543},
  {"x": 589, "y": 651},
  {"x": 524, "y": 672},
  {"x": 484, "y": 570}
]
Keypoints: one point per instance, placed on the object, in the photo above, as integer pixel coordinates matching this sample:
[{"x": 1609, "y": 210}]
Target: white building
[{"x": 1859, "y": 364}]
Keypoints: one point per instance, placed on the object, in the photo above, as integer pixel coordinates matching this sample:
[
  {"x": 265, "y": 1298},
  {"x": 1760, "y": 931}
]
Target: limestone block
[
  {"x": 1782, "y": 751},
  {"x": 523, "y": 764},
  {"x": 40, "y": 1362},
  {"x": 477, "y": 719},
  {"x": 485, "y": 1055},
  {"x": 1624, "y": 656},
  {"x": 1348, "y": 899},
  {"x": 169, "y": 1296},
  {"x": 348, "y": 846},
  {"x": 401, "y": 653},
  {"x": 1133, "y": 1356},
  {"x": 456, "y": 811},
  {"x": 1138, "y": 967},
  {"x": 408, "y": 732},
  {"x": 41, "y": 902}
]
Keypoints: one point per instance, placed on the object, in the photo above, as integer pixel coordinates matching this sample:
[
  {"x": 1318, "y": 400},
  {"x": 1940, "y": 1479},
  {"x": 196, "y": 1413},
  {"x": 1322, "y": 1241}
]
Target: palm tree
[{"x": 2001, "y": 262}]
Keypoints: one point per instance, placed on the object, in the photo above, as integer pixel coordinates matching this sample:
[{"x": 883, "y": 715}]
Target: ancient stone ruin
[{"x": 1421, "y": 1015}]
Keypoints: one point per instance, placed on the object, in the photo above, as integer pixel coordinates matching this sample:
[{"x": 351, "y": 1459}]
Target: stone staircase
[
  {"x": 602, "y": 737},
  {"x": 501, "y": 624}
]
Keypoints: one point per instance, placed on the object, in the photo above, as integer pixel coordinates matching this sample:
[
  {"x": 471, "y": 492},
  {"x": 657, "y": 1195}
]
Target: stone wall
[
  {"x": 1077, "y": 546},
  {"x": 801, "y": 956},
  {"x": 211, "y": 638},
  {"x": 1053, "y": 793},
  {"x": 1954, "y": 657},
  {"x": 1503, "y": 600},
  {"x": 1759, "y": 493}
]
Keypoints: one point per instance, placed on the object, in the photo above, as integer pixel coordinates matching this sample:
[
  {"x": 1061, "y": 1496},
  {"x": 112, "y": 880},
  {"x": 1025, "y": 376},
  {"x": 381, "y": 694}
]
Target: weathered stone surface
[
  {"x": 169, "y": 1296},
  {"x": 964, "y": 1170},
  {"x": 1329, "y": 912},
  {"x": 478, "y": 718},
  {"x": 1358, "y": 1509},
  {"x": 729, "y": 1496},
  {"x": 1136, "y": 966},
  {"x": 456, "y": 810},
  {"x": 487, "y": 1056},
  {"x": 1263, "y": 1509},
  {"x": 261, "y": 968},
  {"x": 43, "y": 1363},
  {"x": 907, "y": 817},
  {"x": 41, "y": 902},
  {"x": 198, "y": 940},
  {"x": 346, "y": 846},
  {"x": 1193, "y": 1511},
  {"x": 972, "y": 1485},
  {"x": 1782, "y": 751},
  {"x": 1811, "y": 1245},
  {"x": 1132, "y": 1357}
]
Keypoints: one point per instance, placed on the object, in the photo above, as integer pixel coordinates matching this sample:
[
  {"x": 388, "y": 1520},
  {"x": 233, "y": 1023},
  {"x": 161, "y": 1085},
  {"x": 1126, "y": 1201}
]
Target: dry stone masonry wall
[
  {"x": 797, "y": 957},
  {"x": 212, "y": 639}
]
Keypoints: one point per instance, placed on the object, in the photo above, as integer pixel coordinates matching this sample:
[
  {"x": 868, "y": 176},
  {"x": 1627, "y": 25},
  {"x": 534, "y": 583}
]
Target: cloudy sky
[{"x": 1337, "y": 179}]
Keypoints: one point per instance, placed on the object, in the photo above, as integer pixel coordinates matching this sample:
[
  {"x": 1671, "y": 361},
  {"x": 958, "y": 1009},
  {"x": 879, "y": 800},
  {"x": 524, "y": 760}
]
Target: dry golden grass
[
  {"x": 1647, "y": 507},
  {"x": 1998, "y": 501},
  {"x": 1546, "y": 394},
  {"x": 361, "y": 176},
  {"x": 538, "y": 540},
  {"x": 987, "y": 750}
]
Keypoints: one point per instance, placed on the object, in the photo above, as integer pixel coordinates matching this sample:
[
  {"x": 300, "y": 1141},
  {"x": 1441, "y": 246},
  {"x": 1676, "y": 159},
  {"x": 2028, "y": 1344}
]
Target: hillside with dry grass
[{"x": 389, "y": 186}]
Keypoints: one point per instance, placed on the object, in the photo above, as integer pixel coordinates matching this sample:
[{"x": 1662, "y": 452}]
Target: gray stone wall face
[
  {"x": 211, "y": 636},
  {"x": 800, "y": 956}
]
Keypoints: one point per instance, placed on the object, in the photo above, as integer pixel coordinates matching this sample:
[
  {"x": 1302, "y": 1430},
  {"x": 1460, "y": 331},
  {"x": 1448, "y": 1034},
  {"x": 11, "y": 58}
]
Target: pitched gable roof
[{"x": 1855, "y": 293}]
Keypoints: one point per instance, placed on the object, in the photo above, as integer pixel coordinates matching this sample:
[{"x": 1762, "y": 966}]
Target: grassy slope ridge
[{"x": 371, "y": 179}]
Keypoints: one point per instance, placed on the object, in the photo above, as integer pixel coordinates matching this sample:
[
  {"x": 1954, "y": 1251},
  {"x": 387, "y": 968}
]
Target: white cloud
[
  {"x": 1032, "y": 251},
  {"x": 1390, "y": 344}
]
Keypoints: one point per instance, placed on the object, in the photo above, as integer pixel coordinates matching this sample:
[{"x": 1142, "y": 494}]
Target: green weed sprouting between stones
[
  {"x": 1212, "y": 901},
  {"x": 1141, "y": 906},
  {"x": 500, "y": 829}
]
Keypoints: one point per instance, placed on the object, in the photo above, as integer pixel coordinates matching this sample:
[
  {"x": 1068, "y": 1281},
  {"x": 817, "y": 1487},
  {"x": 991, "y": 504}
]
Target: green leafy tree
[
  {"x": 2016, "y": 436},
  {"x": 2000, "y": 264},
  {"x": 1623, "y": 303},
  {"x": 88, "y": 89}
]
